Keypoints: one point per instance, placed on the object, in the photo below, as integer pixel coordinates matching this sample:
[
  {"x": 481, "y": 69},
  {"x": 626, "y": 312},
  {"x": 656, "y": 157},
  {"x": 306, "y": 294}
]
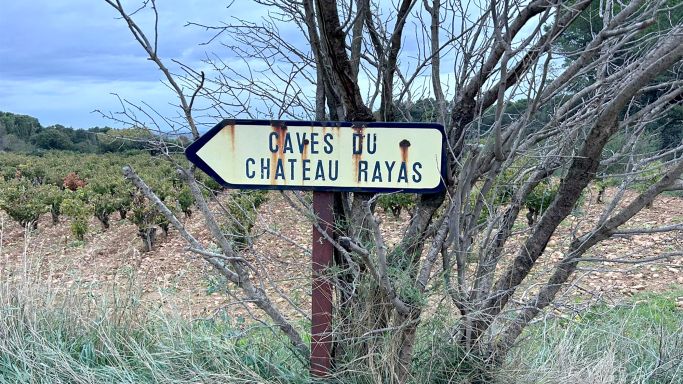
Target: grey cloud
[{"x": 59, "y": 60}]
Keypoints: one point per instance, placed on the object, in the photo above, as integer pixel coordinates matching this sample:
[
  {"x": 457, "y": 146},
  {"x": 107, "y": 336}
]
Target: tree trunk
[
  {"x": 148, "y": 236},
  {"x": 54, "y": 213},
  {"x": 104, "y": 220}
]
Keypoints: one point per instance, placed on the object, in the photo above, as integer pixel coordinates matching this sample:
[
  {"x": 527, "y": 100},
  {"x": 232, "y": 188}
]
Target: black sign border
[{"x": 191, "y": 153}]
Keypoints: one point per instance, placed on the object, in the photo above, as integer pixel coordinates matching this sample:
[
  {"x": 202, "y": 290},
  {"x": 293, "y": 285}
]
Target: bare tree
[{"x": 461, "y": 248}]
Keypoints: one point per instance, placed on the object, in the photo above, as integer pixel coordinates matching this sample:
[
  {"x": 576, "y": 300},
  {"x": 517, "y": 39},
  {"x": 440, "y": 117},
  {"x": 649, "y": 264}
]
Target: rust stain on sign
[
  {"x": 304, "y": 153},
  {"x": 357, "y": 155},
  {"x": 405, "y": 147},
  {"x": 231, "y": 133},
  {"x": 281, "y": 132}
]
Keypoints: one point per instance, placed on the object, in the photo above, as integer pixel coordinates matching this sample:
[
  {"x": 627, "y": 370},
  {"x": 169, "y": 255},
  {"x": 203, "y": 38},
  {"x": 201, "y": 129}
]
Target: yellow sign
[{"x": 323, "y": 155}]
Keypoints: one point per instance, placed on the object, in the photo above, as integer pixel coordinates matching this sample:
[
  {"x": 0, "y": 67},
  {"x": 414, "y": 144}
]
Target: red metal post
[{"x": 321, "y": 298}]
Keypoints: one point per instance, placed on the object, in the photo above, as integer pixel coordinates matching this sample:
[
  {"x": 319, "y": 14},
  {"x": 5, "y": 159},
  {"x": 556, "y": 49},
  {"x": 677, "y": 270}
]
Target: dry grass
[
  {"x": 73, "y": 336},
  {"x": 639, "y": 341}
]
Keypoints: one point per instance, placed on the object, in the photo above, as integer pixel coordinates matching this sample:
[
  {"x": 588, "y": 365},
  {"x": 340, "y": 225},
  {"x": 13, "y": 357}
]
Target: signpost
[{"x": 324, "y": 157}]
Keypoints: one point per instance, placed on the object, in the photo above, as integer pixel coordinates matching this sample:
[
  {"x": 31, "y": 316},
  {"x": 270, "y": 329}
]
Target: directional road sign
[{"x": 323, "y": 156}]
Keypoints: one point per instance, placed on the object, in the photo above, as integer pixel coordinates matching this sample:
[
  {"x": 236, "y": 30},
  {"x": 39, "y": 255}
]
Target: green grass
[
  {"x": 122, "y": 342},
  {"x": 640, "y": 341},
  {"x": 86, "y": 338}
]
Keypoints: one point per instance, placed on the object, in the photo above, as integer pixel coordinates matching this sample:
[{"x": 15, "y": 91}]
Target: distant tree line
[{"x": 25, "y": 134}]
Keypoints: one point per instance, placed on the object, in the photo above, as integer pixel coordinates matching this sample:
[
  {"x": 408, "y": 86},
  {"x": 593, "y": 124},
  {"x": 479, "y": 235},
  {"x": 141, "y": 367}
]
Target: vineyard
[
  {"x": 78, "y": 186},
  {"x": 81, "y": 198}
]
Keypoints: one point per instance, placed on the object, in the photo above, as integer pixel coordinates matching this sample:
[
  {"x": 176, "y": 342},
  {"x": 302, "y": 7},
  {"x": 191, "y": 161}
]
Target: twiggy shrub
[{"x": 396, "y": 203}]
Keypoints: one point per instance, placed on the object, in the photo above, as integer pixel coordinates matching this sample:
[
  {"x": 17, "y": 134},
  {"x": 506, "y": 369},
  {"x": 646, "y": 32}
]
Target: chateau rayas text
[{"x": 289, "y": 152}]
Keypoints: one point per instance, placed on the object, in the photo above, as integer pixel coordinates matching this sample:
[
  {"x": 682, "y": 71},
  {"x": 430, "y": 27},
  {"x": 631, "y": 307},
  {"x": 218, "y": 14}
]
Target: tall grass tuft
[
  {"x": 83, "y": 336},
  {"x": 82, "y": 343},
  {"x": 640, "y": 341}
]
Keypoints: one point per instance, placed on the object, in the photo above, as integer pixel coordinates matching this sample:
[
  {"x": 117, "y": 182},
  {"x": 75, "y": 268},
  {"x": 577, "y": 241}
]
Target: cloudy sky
[{"x": 61, "y": 60}]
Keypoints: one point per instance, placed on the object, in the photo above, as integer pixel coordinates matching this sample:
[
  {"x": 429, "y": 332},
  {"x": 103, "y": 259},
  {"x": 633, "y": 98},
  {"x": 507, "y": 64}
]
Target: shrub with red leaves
[{"x": 73, "y": 182}]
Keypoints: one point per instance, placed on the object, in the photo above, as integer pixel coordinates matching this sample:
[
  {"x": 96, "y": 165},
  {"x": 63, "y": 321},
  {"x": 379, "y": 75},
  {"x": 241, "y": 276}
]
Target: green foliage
[
  {"x": 24, "y": 134},
  {"x": 648, "y": 176},
  {"x": 163, "y": 222},
  {"x": 449, "y": 363},
  {"x": 208, "y": 182},
  {"x": 97, "y": 181},
  {"x": 242, "y": 208},
  {"x": 507, "y": 183},
  {"x": 31, "y": 171},
  {"x": 22, "y": 201},
  {"x": 668, "y": 131},
  {"x": 22, "y": 127},
  {"x": 216, "y": 283},
  {"x": 122, "y": 199},
  {"x": 11, "y": 142},
  {"x": 540, "y": 199},
  {"x": 109, "y": 193},
  {"x": 145, "y": 216},
  {"x": 103, "y": 207},
  {"x": 396, "y": 202},
  {"x": 644, "y": 148},
  {"x": 639, "y": 180},
  {"x": 186, "y": 200},
  {"x": 51, "y": 139},
  {"x": 403, "y": 281},
  {"x": 671, "y": 128},
  {"x": 53, "y": 197},
  {"x": 121, "y": 140},
  {"x": 424, "y": 110},
  {"x": 581, "y": 31},
  {"x": 590, "y": 22},
  {"x": 75, "y": 207}
]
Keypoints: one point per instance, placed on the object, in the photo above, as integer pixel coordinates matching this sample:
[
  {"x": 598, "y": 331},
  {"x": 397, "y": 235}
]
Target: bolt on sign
[{"x": 323, "y": 156}]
